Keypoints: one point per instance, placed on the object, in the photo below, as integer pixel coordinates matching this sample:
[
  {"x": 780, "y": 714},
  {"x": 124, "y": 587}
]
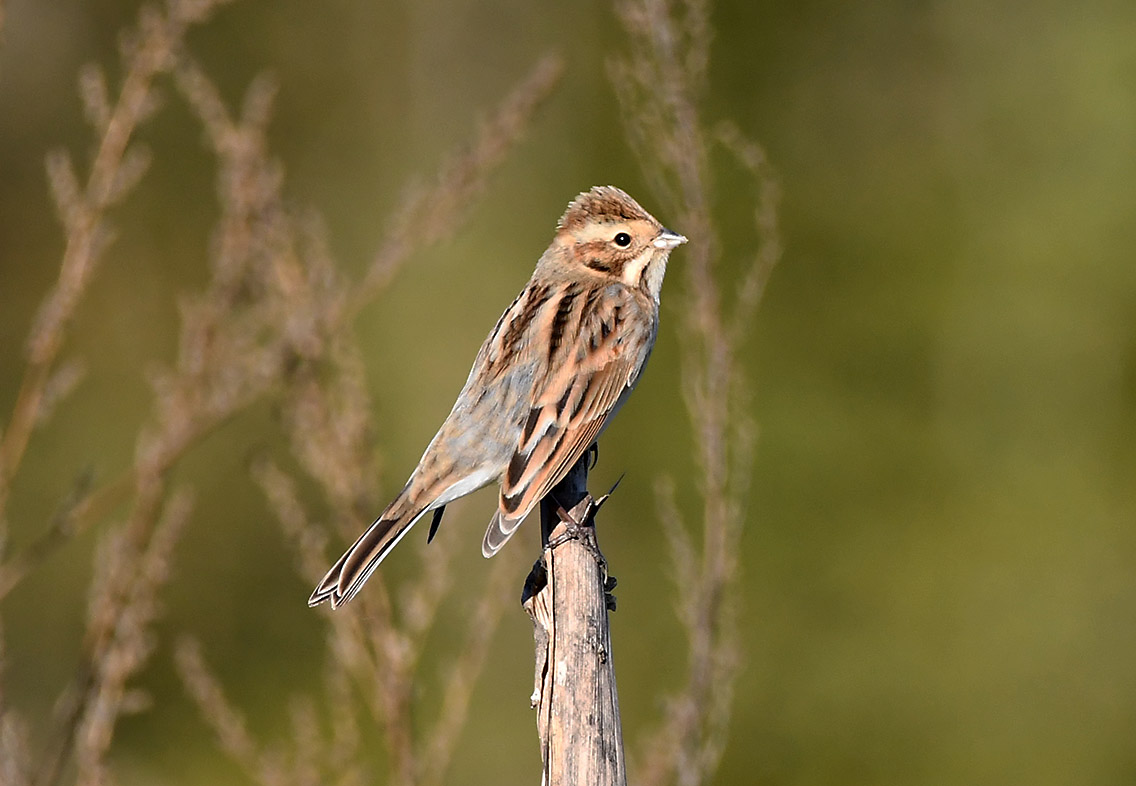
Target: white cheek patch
[{"x": 633, "y": 268}]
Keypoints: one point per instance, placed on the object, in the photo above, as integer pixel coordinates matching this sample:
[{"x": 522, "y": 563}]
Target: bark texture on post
[{"x": 577, "y": 706}]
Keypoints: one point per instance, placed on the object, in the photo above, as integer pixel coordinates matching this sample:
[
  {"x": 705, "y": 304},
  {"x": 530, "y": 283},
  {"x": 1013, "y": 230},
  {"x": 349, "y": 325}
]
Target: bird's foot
[{"x": 585, "y": 532}]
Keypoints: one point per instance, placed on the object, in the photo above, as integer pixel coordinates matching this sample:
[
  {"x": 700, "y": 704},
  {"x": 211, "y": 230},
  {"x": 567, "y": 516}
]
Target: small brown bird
[{"x": 553, "y": 372}]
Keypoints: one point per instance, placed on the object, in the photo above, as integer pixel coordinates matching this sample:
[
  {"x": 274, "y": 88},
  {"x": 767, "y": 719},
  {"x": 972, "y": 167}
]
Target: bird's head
[{"x": 606, "y": 231}]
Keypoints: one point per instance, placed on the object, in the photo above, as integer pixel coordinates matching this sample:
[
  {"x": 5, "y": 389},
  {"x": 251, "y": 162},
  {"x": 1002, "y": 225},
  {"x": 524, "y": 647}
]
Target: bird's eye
[{"x": 623, "y": 239}]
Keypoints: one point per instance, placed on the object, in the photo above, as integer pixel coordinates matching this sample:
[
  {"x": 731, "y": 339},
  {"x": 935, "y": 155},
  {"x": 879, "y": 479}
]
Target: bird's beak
[{"x": 668, "y": 239}]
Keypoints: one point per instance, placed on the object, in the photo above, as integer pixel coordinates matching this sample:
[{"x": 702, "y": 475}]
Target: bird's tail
[
  {"x": 501, "y": 528},
  {"x": 352, "y": 570}
]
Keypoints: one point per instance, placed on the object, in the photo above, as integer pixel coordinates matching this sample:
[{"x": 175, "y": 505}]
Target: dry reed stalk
[{"x": 567, "y": 595}]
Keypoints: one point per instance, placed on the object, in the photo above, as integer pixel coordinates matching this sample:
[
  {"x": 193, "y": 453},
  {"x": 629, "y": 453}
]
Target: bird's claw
[{"x": 585, "y": 533}]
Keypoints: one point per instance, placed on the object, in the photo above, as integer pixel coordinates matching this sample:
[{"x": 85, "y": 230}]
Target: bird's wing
[{"x": 569, "y": 410}]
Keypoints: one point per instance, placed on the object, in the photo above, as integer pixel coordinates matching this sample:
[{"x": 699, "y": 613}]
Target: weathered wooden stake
[{"x": 577, "y": 706}]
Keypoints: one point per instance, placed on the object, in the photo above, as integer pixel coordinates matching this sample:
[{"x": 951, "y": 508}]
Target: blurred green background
[{"x": 939, "y": 579}]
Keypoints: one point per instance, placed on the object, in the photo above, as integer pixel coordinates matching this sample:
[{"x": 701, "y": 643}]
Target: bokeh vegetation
[{"x": 939, "y": 558}]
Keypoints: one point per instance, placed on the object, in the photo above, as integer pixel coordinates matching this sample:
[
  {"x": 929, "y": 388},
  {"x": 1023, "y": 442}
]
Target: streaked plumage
[{"x": 554, "y": 370}]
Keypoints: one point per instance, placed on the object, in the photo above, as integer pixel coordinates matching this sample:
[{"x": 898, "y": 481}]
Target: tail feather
[
  {"x": 352, "y": 570},
  {"x": 501, "y": 528}
]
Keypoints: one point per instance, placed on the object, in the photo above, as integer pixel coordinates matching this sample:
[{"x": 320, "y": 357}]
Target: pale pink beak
[{"x": 668, "y": 239}]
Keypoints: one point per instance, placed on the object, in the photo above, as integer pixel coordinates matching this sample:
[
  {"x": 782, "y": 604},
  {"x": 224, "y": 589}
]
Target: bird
[{"x": 553, "y": 372}]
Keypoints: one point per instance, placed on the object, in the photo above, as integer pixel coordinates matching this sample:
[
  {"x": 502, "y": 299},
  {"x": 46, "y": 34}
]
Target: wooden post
[{"x": 577, "y": 706}]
